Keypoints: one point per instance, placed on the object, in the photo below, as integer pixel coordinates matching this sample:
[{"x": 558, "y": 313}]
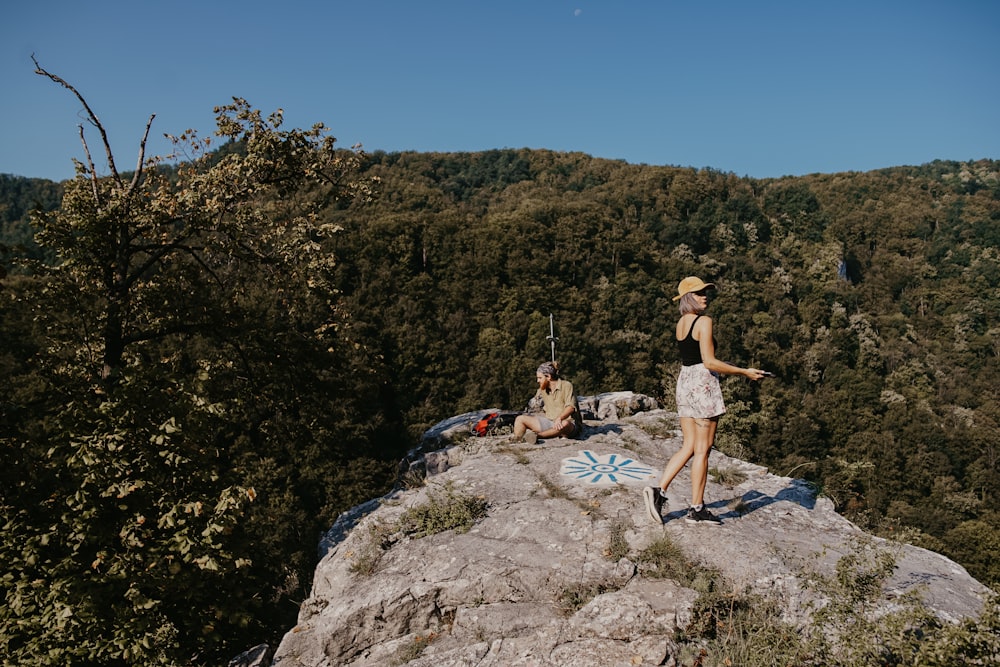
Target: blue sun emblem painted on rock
[{"x": 605, "y": 469}]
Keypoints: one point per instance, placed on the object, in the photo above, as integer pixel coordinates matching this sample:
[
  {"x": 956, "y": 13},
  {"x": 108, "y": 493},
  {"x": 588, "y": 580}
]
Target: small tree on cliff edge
[{"x": 189, "y": 322}]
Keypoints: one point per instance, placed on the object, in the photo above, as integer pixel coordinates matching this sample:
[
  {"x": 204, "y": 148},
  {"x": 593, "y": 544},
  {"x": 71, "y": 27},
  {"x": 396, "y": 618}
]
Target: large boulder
[{"x": 551, "y": 575}]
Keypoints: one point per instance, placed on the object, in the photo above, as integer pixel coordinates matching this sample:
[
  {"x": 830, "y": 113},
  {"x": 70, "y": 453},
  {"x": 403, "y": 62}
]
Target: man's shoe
[
  {"x": 530, "y": 437},
  {"x": 702, "y": 516},
  {"x": 654, "y": 503}
]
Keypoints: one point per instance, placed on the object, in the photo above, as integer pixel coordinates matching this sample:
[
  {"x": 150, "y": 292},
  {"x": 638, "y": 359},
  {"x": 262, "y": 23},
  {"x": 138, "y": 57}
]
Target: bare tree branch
[
  {"x": 142, "y": 155},
  {"x": 90, "y": 165},
  {"x": 90, "y": 113}
]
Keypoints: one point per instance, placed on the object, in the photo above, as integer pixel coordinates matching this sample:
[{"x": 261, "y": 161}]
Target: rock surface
[{"x": 496, "y": 595}]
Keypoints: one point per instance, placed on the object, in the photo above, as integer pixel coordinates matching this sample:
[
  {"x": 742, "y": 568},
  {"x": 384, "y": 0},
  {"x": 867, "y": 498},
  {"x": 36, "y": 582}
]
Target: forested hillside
[
  {"x": 873, "y": 296},
  {"x": 18, "y": 197},
  {"x": 295, "y": 345}
]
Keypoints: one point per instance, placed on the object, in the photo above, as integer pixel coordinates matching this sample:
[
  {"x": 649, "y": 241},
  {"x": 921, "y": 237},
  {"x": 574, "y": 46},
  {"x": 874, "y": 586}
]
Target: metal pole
[{"x": 552, "y": 337}]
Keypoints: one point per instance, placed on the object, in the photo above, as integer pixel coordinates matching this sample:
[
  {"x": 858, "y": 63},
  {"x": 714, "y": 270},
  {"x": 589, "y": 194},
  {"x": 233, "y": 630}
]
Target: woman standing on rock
[{"x": 699, "y": 401}]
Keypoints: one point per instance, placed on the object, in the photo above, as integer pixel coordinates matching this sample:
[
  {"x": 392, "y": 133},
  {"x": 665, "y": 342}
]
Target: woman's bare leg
[
  {"x": 682, "y": 456},
  {"x": 703, "y": 441}
]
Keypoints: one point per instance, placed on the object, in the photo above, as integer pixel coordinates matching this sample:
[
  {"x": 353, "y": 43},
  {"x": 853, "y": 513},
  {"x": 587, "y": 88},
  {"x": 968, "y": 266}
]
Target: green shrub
[
  {"x": 618, "y": 546},
  {"x": 851, "y": 626},
  {"x": 728, "y": 477},
  {"x": 413, "y": 650},
  {"x": 743, "y": 629},
  {"x": 369, "y": 554},
  {"x": 662, "y": 559},
  {"x": 448, "y": 511},
  {"x": 574, "y": 597},
  {"x": 971, "y": 642}
]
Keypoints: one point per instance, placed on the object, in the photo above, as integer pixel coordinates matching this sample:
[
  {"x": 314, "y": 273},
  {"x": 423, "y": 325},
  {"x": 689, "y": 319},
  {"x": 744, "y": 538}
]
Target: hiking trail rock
[{"x": 564, "y": 525}]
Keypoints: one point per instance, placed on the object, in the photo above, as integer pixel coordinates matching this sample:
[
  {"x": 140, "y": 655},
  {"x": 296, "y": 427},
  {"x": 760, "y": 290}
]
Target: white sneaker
[{"x": 654, "y": 503}]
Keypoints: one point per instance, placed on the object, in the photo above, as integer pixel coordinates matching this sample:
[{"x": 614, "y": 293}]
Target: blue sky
[{"x": 763, "y": 88}]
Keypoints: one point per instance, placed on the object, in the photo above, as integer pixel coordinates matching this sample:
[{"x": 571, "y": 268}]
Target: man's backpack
[{"x": 495, "y": 423}]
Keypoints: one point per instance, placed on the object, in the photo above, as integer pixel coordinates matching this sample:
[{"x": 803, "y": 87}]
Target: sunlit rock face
[{"x": 550, "y": 572}]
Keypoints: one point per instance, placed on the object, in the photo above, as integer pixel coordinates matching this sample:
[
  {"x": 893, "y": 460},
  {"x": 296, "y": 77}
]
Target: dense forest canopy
[{"x": 315, "y": 334}]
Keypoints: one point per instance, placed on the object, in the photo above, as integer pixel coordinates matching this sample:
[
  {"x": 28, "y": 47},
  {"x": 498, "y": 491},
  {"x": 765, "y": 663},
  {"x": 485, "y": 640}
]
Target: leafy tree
[{"x": 195, "y": 391}]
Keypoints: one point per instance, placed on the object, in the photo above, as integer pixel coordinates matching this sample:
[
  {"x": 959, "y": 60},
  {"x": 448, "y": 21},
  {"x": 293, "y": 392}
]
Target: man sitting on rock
[{"x": 561, "y": 411}]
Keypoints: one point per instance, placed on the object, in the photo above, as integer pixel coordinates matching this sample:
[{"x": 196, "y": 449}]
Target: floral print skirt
[{"x": 698, "y": 393}]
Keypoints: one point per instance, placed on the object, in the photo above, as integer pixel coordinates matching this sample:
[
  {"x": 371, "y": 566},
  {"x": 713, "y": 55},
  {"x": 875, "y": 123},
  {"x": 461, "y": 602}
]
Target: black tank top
[{"x": 689, "y": 348}]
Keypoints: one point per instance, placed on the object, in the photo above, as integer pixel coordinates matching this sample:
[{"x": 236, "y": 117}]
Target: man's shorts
[{"x": 547, "y": 424}]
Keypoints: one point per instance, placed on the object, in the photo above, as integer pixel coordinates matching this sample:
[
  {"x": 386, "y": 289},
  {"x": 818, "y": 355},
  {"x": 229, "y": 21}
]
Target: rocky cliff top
[{"x": 548, "y": 570}]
